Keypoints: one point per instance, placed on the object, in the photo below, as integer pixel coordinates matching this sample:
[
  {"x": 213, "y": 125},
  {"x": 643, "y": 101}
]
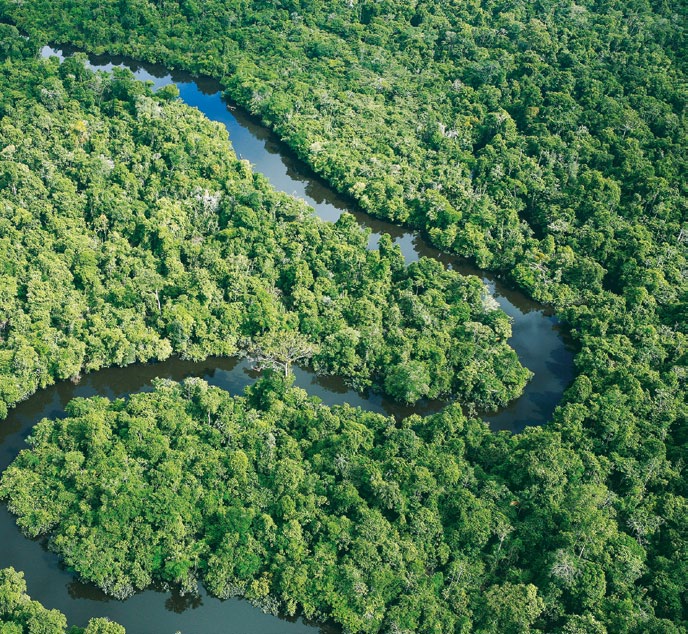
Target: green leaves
[
  {"x": 344, "y": 514},
  {"x": 545, "y": 141},
  {"x": 20, "y": 615},
  {"x": 150, "y": 488},
  {"x": 408, "y": 381}
]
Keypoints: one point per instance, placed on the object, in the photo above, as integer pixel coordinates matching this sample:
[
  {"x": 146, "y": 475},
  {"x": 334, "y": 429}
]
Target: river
[{"x": 537, "y": 339}]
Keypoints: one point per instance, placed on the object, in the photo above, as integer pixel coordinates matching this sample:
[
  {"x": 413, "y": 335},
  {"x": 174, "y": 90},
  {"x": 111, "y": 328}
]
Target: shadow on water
[{"x": 537, "y": 339}]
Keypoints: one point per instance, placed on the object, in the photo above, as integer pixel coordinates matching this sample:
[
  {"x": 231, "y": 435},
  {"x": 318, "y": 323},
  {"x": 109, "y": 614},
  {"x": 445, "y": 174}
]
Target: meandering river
[{"x": 536, "y": 338}]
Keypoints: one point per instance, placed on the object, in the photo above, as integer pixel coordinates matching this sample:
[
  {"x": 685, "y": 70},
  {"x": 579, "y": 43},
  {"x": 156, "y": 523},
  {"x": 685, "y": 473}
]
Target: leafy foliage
[
  {"x": 545, "y": 140},
  {"x": 423, "y": 525}
]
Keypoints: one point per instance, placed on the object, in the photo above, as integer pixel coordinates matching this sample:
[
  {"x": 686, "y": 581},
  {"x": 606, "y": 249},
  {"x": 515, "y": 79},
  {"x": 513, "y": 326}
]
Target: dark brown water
[{"x": 536, "y": 338}]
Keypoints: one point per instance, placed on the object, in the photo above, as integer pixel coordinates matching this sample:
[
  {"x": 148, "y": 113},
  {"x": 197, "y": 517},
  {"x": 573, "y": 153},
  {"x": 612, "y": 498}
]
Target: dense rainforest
[
  {"x": 546, "y": 141},
  {"x": 341, "y": 513}
]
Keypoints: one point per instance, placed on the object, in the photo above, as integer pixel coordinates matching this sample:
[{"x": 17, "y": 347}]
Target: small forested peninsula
[
  {"x": 20, "y": 615},
  {"x": 425, "y": 525},
  {"x": 129, "y": 231}
]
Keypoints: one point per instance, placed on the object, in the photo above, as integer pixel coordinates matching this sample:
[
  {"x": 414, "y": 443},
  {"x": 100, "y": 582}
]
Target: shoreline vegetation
[
  {"x": 545, "y": 141},
  {"x": 332, "y": 512},
  {"x": 19, "y": 614}
]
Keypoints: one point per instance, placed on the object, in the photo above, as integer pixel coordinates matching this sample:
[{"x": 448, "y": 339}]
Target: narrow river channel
[{"x": 536, "y": 338}]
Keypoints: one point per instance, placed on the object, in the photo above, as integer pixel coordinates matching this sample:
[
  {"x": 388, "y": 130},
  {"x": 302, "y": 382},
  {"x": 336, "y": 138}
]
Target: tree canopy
[
  {"x": 423, "y": 525},
  {"x": 20, "y": 615}
]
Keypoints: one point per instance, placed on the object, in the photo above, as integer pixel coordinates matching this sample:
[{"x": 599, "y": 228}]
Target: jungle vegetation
[
  {"x": 547, "y": 141},
  {"x": 424, "y": 525},
  {"x": 543, "y": 139}
]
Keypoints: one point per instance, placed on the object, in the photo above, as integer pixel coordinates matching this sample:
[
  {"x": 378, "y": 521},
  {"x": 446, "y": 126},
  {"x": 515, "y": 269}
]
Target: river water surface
[{"x": 536, "y": 338}]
